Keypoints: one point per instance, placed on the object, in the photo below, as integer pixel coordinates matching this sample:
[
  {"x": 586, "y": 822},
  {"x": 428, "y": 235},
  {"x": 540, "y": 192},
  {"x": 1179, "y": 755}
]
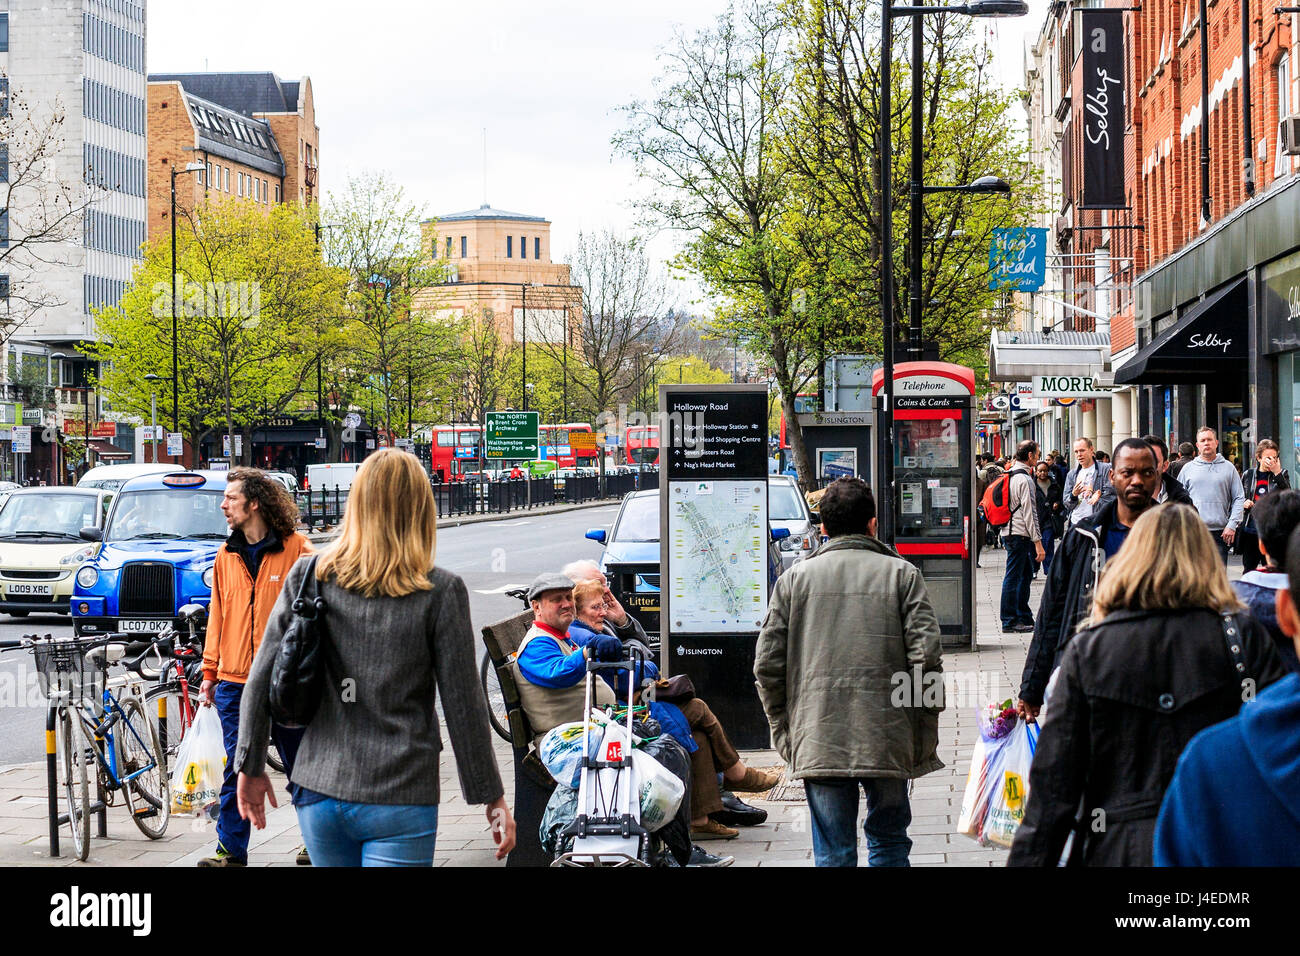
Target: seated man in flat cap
[{"x": 548, "y": 667}]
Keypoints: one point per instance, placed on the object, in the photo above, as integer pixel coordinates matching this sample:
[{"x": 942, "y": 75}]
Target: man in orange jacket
[{"x": 247, "y": 578}]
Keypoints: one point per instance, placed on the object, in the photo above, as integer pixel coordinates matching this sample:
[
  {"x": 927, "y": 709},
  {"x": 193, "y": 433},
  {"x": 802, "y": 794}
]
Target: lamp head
[
  {"x": 989, "y": 184},
  {"x": 997, "y": 8}
]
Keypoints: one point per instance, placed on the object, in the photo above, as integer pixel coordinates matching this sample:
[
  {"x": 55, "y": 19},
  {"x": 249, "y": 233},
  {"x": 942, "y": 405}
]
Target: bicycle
[{"x": 88, "y": 724}]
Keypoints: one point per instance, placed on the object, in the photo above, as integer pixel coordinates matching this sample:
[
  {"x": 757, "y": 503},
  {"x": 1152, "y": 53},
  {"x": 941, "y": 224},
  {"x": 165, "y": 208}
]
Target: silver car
[{"x": 786, "y": 508}]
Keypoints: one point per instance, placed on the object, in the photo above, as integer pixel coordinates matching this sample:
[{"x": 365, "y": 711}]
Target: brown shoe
[
  {"x": 754, "y": 781},
  {"x": 713, "y": 830}
]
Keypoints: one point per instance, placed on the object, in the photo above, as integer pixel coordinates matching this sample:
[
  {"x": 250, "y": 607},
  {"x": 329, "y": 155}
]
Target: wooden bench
[{"x": 533, "y": 785}]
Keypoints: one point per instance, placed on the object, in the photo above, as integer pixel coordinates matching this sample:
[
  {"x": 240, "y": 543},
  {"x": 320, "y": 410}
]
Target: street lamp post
[
  {"x": 176, "y": 404},
  {"x": 318, "y": 228},
  {"x": 151, "y": 378},
  {"x": 977, "y": 8}
]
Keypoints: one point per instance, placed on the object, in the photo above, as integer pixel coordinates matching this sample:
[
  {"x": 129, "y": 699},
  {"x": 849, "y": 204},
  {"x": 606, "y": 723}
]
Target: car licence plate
[
  {"x": 29, "y": 589},
  {"x": 142, "y": 627}
]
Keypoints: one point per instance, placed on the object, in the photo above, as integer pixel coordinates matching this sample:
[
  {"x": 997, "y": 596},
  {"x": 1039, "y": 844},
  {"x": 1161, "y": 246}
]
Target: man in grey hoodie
[{"x": 1216, "y": 490}]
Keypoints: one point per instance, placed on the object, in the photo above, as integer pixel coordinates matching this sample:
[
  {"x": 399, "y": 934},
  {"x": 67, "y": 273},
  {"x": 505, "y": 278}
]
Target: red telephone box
[{"x": 934, "y": 485}]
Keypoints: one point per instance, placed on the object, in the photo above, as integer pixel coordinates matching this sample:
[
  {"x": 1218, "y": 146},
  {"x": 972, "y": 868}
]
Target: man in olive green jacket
[{"x": 848, "y": 669}]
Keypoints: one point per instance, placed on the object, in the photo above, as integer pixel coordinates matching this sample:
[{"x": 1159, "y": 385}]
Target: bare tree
[
  {"x": 623, "y": 323},
  {"x": 40, "y": 214}
]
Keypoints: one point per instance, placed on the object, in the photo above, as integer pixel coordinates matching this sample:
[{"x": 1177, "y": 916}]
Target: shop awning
[
  {"x": 1208, "y": 340},
  {"x": 1019, "y": 356},
  {"x": 108, "y": 451}
]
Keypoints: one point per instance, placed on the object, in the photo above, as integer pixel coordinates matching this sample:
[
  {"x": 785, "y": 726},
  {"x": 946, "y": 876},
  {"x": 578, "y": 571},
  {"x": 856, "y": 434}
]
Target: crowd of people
[
  {"x": 1145, "y": 657},
  {"x": 1157, "y": 682}
]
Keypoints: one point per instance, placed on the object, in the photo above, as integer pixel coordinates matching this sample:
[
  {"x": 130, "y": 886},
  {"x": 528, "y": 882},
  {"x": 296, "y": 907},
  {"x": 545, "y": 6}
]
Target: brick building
[
  {"x": 254, "y": 134},
  {"x": 501, "y": 261},
  {"x": 1194, "y": 309}
]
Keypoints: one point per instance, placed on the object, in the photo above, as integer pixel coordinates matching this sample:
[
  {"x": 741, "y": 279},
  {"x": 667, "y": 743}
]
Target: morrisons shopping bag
[
  {"x": 997, "y": 786},
  {"x": 200, "y": 764}
]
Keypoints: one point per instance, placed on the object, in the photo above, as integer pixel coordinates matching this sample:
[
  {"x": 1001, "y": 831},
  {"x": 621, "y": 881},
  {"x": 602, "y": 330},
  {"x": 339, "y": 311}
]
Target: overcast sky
[{"x": 408, "y": 88}]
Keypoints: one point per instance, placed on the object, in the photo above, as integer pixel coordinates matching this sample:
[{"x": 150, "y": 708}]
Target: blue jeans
[
  {"x": 232, "y": 832},
  {"x": 1015, "y": 585},
  {"x": 833, "y": 803},
  {"x": 340, "y": 833},
  {"x": 1049, "y": 548}
]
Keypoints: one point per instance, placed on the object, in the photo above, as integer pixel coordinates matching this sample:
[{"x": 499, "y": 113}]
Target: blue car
[{"x": 160, "y": 542}]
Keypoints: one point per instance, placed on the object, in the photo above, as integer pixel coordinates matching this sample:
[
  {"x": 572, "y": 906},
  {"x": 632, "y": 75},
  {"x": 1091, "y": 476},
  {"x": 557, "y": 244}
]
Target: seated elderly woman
[{"x": 690, "y": 722}]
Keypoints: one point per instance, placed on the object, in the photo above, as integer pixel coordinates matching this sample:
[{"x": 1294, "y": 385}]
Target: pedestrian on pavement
[
  {"x": 1265, "y": 477},
  {"x": 1086, "y": 484},
  {"x": 1084, "y": 550},
  {"x": 1151, "y": 670},
  {"x": 1276, "y": 515},
  {"x": 1056, "y": 461},
  {"x": 247, "y": 578},
  {"x": 691, "y": 722},
  {"x": 828, "y": 677},
  {"x": 1049, "y": 513},
  {"x": 1022, "y": 540},
  {"x": 1170, "y": 489},
  {"x": 1233, "y": 798},
  {"x": 1186, "y": 452},
  {"x": 398, "y": 637},
  {"x": 981, "y": 524},
  {"x": 1216, "y": 490}
]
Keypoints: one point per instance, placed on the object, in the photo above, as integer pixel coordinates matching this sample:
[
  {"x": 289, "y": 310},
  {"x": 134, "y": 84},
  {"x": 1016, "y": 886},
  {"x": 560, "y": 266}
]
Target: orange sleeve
[{"x": 212, "y": 638}]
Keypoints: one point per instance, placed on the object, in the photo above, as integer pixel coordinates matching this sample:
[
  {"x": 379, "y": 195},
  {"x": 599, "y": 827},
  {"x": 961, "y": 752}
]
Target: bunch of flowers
[{"x": 999, "y": 719}]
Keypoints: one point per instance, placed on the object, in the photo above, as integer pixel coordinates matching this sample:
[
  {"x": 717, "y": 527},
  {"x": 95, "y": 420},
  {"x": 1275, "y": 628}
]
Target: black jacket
[
  {"x": 1279, "y": 482},
  {"x": 1067, "y": 598},
  {"x": 1132, "y": 691},
  {"x": 1049, "y": 506},
  {"x": 1174, "y": 490}
]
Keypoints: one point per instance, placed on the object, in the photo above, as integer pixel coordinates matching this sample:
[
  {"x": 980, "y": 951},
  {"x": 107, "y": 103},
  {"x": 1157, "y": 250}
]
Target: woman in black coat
[
  {"x": 1151, "y": 669},
  {"x": 1268, "y": 475}
]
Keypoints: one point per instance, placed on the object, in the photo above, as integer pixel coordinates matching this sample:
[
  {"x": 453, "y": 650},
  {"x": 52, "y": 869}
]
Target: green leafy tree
[
  {"x": 391, "y": 357},
  {"x": 253, "y": 310}
]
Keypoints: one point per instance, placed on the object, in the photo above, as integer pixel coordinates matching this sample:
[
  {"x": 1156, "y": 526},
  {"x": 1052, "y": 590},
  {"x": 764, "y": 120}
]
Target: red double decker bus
[
  {"x": 558, "y": 444},
  {"x": 642, "y": 444},
  {"x": 456, "y": 450}
]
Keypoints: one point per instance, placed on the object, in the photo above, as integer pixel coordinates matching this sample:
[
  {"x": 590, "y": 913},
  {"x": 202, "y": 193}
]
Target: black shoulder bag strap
[{"x": 1232, "y": 637}]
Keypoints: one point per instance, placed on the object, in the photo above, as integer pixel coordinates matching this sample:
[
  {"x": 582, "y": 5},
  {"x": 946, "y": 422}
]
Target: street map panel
[{"x": 717, "y": 540}]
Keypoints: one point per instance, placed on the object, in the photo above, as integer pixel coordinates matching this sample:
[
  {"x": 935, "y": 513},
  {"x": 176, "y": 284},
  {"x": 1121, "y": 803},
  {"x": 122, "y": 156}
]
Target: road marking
[
  {"x": 501, "y": 590},
  {"x": 511, "y": 524}
]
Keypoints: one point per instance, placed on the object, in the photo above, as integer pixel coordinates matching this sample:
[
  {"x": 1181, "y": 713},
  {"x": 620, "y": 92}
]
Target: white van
[
  {"x": 338, "y": 475},
  {"x": 111, "y": 477},
  {"x": 332, "y": 475}
]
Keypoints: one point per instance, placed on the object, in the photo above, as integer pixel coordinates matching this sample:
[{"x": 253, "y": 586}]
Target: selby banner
[
  {"x": 1018, "y": 259},
  {"x": 1103, "y": 109}
]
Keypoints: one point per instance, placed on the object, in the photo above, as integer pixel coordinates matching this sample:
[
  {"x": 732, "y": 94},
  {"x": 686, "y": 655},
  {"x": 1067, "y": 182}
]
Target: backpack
[{"x": 996, "y": 502}]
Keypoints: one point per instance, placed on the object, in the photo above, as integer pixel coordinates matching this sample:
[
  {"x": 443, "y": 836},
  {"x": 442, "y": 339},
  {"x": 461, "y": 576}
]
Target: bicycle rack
[{"x": 98, "y": 806}]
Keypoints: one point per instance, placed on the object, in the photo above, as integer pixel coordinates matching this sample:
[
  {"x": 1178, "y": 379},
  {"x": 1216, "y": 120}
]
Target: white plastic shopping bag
[
  {"x": 660, "y": 791},
  {"x": 560, "y": 751},
  {"x": 997, "y": 786},
  {"x": 200, "y": 765}
]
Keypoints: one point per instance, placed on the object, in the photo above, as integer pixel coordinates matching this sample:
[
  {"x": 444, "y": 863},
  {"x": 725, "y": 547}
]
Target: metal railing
[{"x": 323, "y": 508}]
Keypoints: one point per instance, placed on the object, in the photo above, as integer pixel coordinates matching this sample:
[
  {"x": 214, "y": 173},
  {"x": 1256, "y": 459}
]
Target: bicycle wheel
[
  {"x": 177, "y": 725},
  {"x": 148, "y": 797},
  {"x": 273, "y": 757},
  {"x": 495, "y": 701},
  {"x": 76, "y": 761}
]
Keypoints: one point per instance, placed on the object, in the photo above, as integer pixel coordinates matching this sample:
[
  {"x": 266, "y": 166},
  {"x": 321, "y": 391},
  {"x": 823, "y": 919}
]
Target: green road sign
[{"x": 511, "y": 435}]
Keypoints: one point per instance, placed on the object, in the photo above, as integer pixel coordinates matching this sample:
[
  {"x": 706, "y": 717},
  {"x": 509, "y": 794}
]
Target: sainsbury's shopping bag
[
  {"x": 997, "y": 786},
  {"x": 200, "y": 764}
]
